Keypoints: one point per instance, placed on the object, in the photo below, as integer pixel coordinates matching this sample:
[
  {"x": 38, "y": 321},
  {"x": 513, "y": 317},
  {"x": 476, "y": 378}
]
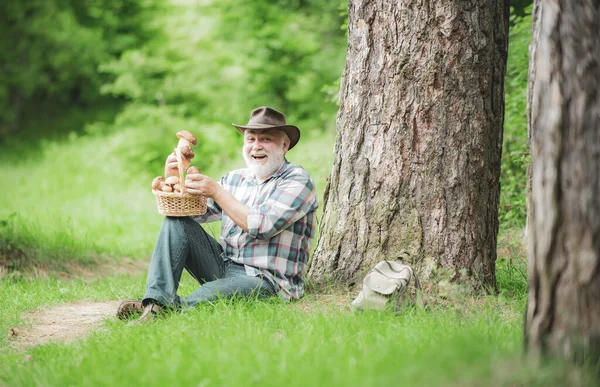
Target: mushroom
[
  {"x": 177, "y": 187},
  {"x": 193, "y": 170},
  {"x": 167, "y": 188},
  {"x": 187, "y": 152},
  {"x": 186, "y": 138},
  {"x": 172, "y": 180},
  {"x": 158, "y": 182}
]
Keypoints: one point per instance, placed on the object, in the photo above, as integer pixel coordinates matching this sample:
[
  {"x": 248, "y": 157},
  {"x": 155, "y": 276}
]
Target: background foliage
[
  {"x": 51, "y": 50},
  {"x": 95, "y": 90},
  {"x": 515, "y": 154}
]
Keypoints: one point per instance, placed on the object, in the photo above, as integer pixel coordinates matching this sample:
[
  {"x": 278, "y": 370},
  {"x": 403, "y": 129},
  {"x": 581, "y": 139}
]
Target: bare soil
[
  {"x": 62, "y": 323},
  {"x": 65, "y": 322}
]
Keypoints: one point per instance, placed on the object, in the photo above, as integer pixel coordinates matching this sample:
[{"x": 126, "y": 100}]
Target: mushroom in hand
[
  {"x": 193, "y": 170},
  {"x": 186, "y": 138}
]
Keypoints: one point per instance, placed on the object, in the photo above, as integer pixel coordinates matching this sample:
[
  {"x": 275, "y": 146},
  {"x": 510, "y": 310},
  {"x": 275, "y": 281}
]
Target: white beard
[{"x": 263, "y": 170}]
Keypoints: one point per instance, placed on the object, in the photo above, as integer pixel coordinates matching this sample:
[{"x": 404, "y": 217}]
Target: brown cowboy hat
[{"x": 266, "y": 118}]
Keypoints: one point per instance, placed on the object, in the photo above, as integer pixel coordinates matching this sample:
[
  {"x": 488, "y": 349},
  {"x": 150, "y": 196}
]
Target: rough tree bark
[
  {"x": 417, "y": 153},
  {"x": 563, "y": 311}
]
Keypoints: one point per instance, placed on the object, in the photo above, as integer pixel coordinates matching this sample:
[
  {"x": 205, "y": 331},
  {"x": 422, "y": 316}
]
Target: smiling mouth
[{"x": 259, "y": 157}]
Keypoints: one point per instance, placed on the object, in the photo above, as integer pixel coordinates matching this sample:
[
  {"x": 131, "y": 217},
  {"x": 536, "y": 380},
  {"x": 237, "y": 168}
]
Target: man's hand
[
  {"x": 199, "y": 184},
  {"x": 171, "y": 168}
]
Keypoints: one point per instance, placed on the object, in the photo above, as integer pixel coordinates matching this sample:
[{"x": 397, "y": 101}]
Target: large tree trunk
[
  {"x": 563, "y": 312},
  {"x": 417, "y": 154}
]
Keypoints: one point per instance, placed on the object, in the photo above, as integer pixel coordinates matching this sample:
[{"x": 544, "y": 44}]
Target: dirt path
[{"x": 62, "y": 323}]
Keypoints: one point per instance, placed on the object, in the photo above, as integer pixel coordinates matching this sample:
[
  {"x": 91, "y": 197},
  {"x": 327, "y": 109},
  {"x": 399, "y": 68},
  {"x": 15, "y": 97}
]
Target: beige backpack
[{"x": 385, "y": 286}]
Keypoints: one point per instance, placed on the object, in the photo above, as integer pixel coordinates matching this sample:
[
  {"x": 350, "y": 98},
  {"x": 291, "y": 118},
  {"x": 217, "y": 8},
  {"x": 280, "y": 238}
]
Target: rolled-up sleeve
[
  {"x": 293, "y": 198},
  {"x": 213, "y": 213}
]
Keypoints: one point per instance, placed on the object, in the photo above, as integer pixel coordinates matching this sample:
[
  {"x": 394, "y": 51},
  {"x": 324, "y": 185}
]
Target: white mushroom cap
[
  {"x": 171, "y": 180},
  {"x": 188, "y": 136}
]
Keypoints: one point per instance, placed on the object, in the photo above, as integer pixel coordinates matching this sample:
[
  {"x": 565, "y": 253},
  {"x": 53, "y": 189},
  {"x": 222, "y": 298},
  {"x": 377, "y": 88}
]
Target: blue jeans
[{"x": 183, "y": 243}]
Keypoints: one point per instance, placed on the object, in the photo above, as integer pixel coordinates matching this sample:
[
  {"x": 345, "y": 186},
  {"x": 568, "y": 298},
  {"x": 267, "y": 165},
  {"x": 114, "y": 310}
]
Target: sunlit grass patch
[{"x": 256, "y": 342}]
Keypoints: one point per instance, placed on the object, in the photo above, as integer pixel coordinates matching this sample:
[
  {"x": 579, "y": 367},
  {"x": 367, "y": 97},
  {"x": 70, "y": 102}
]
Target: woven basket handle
[{"x": 181, "y": 171}]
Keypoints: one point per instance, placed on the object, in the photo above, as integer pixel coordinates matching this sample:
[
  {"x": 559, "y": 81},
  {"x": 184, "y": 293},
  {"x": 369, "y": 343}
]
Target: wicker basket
[{"x": 179, "y": 203}]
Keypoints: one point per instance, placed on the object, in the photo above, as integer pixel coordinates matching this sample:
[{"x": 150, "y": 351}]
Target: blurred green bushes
[
  {"x": 51, "y": 50},
  {"x": 169, "y": 65},
  {"x": 215, "y": 61}
]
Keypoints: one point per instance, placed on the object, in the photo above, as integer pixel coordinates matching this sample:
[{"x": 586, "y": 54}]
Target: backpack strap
[
  {"x": 419, "y": 300},
  {"x": 402, "y": 255}
]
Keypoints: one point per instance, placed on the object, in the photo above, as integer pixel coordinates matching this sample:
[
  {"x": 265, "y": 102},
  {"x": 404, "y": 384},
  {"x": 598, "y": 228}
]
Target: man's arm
[
  {"x": 236, "y": 210},
  {"x": 294, "y": 198},
  {"x": 291, "y": 201}
]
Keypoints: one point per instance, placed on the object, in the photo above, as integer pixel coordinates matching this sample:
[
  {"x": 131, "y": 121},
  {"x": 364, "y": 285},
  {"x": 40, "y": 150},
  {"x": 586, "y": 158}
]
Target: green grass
[
  {"x": 475, "y": 343},
  {"x": 254, "y": 342},
  {"x": 261, "y": 343},
  {"x": 467, "y": 340}
]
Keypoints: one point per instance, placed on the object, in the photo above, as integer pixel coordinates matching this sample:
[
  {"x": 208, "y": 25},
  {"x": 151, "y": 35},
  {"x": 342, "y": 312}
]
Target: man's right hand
[
  {"x": 171, "y": 164},
  {"x": 199, "y": 184}
]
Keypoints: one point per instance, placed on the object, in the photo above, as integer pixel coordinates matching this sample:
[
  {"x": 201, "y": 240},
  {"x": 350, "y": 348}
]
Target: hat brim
[{"x": 292, "y": 131}]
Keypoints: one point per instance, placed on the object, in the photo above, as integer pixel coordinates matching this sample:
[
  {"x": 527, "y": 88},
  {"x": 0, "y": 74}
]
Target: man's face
[{"x": 264, "y": 151}]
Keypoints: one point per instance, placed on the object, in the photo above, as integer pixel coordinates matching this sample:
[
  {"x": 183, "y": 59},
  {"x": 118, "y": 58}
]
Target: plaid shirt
[{"x": 281, "y": 225}]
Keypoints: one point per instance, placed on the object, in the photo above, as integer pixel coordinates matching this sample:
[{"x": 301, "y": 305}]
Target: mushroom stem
[{"x": 183, "y": 142}]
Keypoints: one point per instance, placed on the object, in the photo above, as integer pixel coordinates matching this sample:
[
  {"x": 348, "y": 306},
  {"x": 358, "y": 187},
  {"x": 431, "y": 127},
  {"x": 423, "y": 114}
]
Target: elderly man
[{"x": 268, "y": 225}]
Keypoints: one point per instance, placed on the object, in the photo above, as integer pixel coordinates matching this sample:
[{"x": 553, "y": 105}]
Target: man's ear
[{"x": 286, "y": 144}]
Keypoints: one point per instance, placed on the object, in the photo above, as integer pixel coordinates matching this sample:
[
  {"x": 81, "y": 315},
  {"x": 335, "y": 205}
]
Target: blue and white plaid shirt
[{"x": 281, "y": 225}]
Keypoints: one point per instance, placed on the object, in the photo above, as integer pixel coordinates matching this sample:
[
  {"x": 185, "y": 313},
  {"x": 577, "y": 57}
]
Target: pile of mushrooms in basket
[{"x": 170, "y": 182}]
